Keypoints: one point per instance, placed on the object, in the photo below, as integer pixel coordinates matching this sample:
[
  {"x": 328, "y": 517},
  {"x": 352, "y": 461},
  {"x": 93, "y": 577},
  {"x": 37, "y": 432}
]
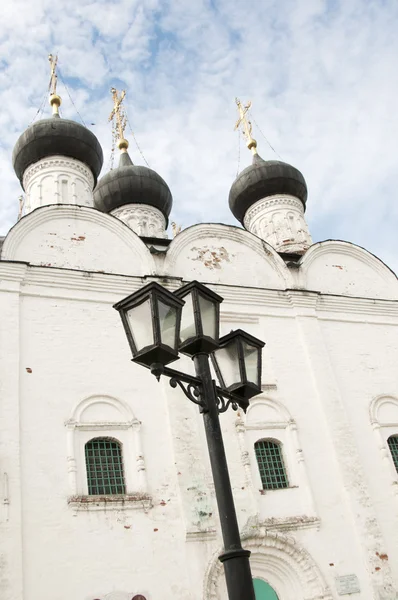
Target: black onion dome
[
  {"x": 132, "y": 184},
  {"x": 57, "y": 137},
  {"x": 265, "y": 178}
]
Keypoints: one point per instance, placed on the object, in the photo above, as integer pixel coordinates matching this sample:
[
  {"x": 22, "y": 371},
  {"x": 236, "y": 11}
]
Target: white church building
[{"x": 106, "y": 489}]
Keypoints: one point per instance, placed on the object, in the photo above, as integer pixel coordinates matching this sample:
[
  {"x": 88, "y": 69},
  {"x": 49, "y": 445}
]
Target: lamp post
[{"x": 160, "y": 324}]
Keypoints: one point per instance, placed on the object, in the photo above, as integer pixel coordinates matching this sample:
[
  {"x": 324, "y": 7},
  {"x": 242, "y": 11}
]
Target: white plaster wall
[
  {"x": 335, "y": 267},
  {"x": 62, "y": 342},
  {"x": 225, "y": 254},
  {"x": 74, "y": 237}
]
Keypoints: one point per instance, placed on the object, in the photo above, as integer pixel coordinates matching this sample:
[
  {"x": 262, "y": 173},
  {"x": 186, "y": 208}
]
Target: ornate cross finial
[
  {"x": 55, "y": 100},
  {"x": 246, "y": 125},
  {"x": 118, "y": 118}
]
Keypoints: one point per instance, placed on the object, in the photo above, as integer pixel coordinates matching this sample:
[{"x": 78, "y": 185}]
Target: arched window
[
  {"x": 270, "y": 464},
  {"x": 263, "y": 590},
  {"x": 104, "y": 466},
  {"x": 393, "y": 445}
]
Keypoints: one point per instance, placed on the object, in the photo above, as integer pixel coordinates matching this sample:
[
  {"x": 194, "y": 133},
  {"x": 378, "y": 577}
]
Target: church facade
[{"x": 106, "y": 486}]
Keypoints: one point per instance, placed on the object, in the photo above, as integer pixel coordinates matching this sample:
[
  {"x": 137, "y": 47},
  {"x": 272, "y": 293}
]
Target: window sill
[
  {"x": 266, "y": 491},
  {"x": 138, "y": 501}
]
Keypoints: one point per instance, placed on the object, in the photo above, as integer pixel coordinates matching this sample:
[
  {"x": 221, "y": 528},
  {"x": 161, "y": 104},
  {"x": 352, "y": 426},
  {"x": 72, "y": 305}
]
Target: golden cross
[
  {"x": 118, "y": 113},
  {"x": 53, "y": 81},
  {"x": 246, "y": 125}
]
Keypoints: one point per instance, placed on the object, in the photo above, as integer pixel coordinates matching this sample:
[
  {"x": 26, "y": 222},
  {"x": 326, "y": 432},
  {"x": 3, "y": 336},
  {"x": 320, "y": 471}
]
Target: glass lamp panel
[
  {"x": 250, "y": 354},
  {"x": 167, "y": 323},
  {"x": 228, "y": 363},
  {"x": 188, "y": 329},
  {"x": 140, "y": 322},
  {"x": 208, "y": 317}
]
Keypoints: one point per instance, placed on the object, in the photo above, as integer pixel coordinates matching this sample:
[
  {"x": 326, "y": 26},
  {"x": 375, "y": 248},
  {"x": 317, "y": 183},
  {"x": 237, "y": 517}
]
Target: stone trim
[
  {"x": 279, "y": 220},
  {"x": 143, "y": 219},
  {"x": 282, "y": 200},
  {"x": 56, "y": 161},
  {"x": 279, "y": 559},
  {"x": 133, "y": 501}
]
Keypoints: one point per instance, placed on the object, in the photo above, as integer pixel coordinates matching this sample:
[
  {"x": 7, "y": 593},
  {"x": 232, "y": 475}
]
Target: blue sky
[{"x": 322, "y": 76}]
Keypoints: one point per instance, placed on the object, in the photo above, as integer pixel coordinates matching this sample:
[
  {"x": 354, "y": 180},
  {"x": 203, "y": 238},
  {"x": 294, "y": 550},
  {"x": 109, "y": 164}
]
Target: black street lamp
[
  {"x": 158, "y": 325},
  {"x": 237, "y": 363}
]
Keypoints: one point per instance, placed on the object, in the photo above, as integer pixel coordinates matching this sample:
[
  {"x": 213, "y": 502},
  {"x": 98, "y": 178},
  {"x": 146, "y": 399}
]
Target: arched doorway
[{"x": 263, "y": 590}]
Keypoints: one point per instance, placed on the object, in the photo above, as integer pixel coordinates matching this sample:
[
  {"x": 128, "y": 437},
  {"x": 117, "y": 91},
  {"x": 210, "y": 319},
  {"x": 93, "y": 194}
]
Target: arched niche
[
  {"x": 280, "y": 561},
  {"x": 104, "y": 416},
  {"x": 267, "y": 413},
  {"x": 227, "y": 255},
  {"x": 268, "y": 419},
  {"x": 76, "y": 237},
  {"x": 342, "y": 268},
  {"x": 383, "y": 413}
]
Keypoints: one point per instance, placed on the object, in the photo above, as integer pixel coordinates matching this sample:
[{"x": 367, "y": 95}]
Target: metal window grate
[
  {"x": 270, "y": 464},
  {"x": 393, "y": 445},
  {"x": 104, "y": 467}
]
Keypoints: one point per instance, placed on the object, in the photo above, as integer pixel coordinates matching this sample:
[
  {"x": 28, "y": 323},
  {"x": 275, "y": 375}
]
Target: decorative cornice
[
  {"x": 108, "y": 287},
  {"x": 238, "y": 317},
  {"x": 58, "y": 162},
  {"x": 278, "y": 201}
]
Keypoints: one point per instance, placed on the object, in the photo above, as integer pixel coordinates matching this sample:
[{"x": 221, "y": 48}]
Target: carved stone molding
[
  {"x": 272, "y": 201},
  {"x": 133, "y": 501},
  {"x": 279, "y": 220},
  {"x": 59, "y": 163},
  {"x": 126, "y": 429},
  {"x": 256, "y": 528},
  {"x": 57, "y": 180},
  {"x": 279, "y": 559},
  {"x": 144, "y": 220}
]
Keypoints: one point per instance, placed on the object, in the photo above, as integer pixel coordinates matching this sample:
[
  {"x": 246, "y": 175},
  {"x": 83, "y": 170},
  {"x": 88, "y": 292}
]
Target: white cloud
[{"x": 321, "y": 74}]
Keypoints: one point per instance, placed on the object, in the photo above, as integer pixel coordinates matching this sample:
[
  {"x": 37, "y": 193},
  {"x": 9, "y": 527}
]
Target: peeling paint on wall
[{"x": 212, "y": 257}]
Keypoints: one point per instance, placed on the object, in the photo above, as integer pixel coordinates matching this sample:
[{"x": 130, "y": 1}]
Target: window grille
[
  {"x": 393, "y": 445},
  {"x": 104, "y": 467},
  {"x": 270, "y": 464}
]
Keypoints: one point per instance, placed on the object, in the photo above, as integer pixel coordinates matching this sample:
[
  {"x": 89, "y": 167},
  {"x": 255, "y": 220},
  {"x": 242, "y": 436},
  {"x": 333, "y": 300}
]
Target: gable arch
[
  {"x": 279, "y": 560},
  {"x": 77, "y": 237},
  {"x": 225, "y": 254},
  {"x": 342, "y": 268}
]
